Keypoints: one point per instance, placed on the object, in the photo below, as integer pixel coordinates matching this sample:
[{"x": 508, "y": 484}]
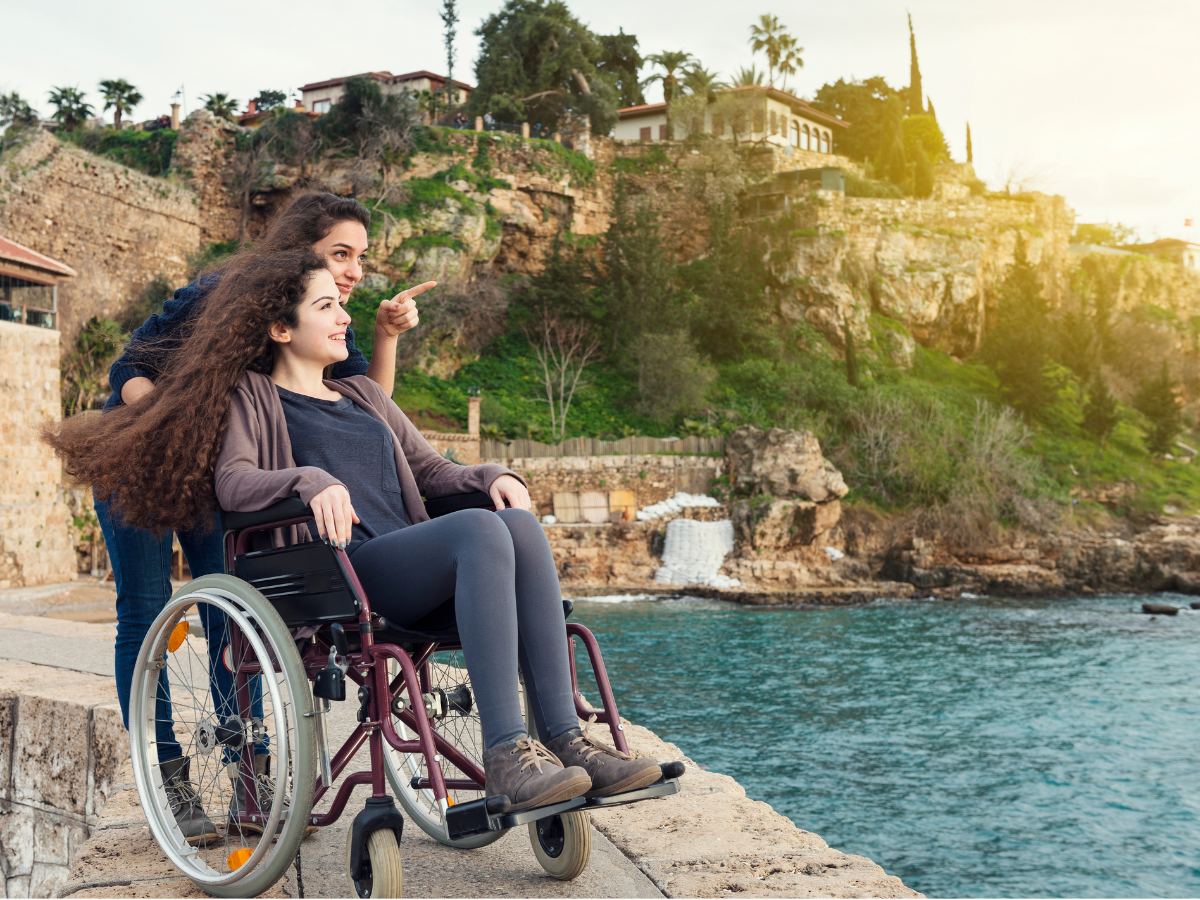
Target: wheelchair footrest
[
  {"x": 664, "y": 787},
  {"x": 466, "y": 819}
]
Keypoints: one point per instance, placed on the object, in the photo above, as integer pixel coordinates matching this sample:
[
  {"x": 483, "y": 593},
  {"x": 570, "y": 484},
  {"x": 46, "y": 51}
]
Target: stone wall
[
  {"x": 651, "y": 478},
  {"x": 63, "y": 744},
  {"x": 115, "y": 226},
  {"x": 36, "y": 543}
]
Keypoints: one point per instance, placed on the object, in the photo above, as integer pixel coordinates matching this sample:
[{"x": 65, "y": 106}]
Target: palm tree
[
  {"x": 671, "y": 61},
  {"x": 750, "y": 77},
  {"x": 70, "y": 109},
  {"x": 15, "y": 111},
  {"x": 789, "y": 57},
  {"x": 220, "y": 105},
  {"x": 700, "y": 82},
  {"x": 121, "y": 96},
  {"x": 781, "y": 49}
]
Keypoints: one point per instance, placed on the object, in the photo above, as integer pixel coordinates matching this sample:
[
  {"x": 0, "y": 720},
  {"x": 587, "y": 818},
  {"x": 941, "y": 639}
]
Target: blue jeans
[{"x": 141, "y": 564}]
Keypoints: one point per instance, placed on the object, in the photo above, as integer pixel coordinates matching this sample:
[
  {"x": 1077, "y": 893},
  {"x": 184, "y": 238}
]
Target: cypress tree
[
  {"x": 1100, "y": 413},
  {"x": 851, "y": 354},
  {"x": 930, "y": 110},
  {"x": 916, "y": 104},
  {"x": 923, "y": 176},
  {"x": 970, "y": 153},
  {"x": 1156, "y": 400}
]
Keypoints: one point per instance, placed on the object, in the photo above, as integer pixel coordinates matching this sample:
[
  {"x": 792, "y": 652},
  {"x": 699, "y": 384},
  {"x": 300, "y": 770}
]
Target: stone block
[
  {"x": 45, "y": 879},
  {"x": 110, "y": 752},
  {"x": 53, "y": 741},
  {"x": 16, "y": 840},
  {"x": 122, "y": 856}
]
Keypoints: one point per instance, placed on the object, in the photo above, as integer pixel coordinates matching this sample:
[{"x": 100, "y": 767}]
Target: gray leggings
[{"x": 501, "y": 574}]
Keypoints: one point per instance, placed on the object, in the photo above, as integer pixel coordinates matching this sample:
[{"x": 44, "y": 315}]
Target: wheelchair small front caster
[
  {"x": 382, "y": 870},
  {"x": 562, "y": 844}
]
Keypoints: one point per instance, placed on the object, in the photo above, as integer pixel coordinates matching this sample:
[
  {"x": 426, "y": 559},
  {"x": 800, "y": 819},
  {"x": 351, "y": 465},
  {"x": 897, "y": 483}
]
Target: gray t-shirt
[{"x": 354, "y": 447}]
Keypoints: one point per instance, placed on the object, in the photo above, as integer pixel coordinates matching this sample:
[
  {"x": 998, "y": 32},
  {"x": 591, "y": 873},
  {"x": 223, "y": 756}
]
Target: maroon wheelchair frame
[{"x": 369, "y": 667}]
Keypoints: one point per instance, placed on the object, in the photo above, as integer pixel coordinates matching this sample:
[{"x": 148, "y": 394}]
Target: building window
[
  {"x": 739, "y": 122},
  {"x": 662, "y": 132},
  {"x": 804, "y": 138},
  {"x": 644, "y": 134},
  {"x": 795, "y": 134},
  {"x": 27, "y": 302},
  {"x": 760, "y": 116},
  {"x": 718, "y": 126},
  {"x": 825, "y": 142},
  {"x": 320, "y": 106},
  {"x": 697, "y": 125},
  {"x": 774, "y": 123}
]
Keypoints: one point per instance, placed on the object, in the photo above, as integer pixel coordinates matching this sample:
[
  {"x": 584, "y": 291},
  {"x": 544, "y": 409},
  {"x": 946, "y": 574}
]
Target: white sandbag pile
[
  {"x": 682, "y": 500},
  {"x": 694, "y": 551}
]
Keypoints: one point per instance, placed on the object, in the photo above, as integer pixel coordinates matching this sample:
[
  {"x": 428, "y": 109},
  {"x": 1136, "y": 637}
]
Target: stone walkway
[{"x": 70, "y": 761}]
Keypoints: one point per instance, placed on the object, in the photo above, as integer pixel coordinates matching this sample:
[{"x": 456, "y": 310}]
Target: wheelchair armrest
[
  {"x": 443, "y": 506},
  {"x": 291, "y": 508}
]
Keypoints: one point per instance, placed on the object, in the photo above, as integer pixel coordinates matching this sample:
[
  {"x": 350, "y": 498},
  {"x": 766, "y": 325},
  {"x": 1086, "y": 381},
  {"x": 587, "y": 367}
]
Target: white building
[
  {"x": 754, "y": 113},
  {"x": 319, "y": 96}
]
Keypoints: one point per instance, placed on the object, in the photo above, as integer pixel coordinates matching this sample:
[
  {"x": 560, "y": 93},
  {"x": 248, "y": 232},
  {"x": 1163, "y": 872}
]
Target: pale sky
[{"x": 1095, "y": 98}]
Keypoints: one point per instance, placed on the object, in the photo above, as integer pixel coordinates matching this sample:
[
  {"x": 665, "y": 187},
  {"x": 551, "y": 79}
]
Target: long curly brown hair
[{"x": 154, "y": 459}]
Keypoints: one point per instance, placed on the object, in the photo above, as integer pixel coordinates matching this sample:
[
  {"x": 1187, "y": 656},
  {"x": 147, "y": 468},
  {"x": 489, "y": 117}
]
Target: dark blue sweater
[{"x": 150, "y": 347}]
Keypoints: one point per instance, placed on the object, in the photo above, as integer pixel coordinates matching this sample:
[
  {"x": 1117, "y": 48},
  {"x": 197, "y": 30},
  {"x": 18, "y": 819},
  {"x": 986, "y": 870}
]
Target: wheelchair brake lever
[{"x": 341, "y": 646}]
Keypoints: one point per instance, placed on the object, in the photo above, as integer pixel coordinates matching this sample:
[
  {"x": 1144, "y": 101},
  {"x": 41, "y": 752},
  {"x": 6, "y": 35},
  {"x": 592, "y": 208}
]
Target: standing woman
[{"x": 336, "y": 229}]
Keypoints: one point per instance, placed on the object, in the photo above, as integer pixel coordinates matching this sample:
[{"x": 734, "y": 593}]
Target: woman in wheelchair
[{"x": 244, "y": 411}]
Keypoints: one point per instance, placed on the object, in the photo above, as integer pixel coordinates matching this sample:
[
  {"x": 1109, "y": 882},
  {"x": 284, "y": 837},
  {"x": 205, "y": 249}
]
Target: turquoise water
[{"x": 985, "y": 747}]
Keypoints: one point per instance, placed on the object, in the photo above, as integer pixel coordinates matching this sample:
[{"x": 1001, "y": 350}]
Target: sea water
[{"x": 982, "y": 747}]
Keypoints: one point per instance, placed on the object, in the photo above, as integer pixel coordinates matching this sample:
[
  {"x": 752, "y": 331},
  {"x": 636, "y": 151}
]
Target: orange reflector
[
  {"x": 178, "y": 635},
  {"x": 238, "y": 858},
  {"x": 449, "y": 801}
]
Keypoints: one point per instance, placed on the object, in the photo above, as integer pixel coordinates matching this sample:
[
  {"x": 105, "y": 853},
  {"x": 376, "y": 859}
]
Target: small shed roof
[{"x": 12, "y": 252}]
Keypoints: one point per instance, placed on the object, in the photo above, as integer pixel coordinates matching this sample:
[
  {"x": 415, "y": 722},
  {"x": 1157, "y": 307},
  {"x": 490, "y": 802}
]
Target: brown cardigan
[{"x": 255, "y": 467}]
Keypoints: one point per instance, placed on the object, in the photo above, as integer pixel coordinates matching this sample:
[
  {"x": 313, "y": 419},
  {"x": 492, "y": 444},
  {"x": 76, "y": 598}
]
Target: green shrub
[
  {"x": 865, "y": 187},
  {"x": 146, "y": 151}
]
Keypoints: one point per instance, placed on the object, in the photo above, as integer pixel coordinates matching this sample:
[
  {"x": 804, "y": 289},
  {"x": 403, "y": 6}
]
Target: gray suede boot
[
  {"x": 611, "y": 771},
  {"x": 530, "y": 775},
  {"x": 266, "y": 795},
  {"x": 189, "y": 813}
]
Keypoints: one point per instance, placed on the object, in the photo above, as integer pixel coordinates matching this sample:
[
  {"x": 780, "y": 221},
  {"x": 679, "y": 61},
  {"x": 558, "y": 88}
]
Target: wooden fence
[{"x": 525, "y": 449}]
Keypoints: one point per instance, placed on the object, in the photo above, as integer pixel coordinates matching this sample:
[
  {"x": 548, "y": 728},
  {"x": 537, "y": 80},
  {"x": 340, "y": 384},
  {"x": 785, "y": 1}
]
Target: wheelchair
[{"x": 241, "y": 670}]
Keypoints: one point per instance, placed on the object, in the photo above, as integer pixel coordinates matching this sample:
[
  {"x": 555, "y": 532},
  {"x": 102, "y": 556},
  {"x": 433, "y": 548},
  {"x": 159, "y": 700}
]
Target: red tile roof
[
  {"x": 646, "y": 109},
  {"x": 385, "y": 77},
  {"x": 14, "y": 252},
  {"x": 805, "y": 108}
]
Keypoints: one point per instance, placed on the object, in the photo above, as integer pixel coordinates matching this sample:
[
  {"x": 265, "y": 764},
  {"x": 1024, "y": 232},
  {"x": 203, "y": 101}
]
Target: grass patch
[{"x": 145, "y": 151}]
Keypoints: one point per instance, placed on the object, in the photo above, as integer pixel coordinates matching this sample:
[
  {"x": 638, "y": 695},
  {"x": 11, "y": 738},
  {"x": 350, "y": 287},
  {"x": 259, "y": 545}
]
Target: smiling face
[
  {"x": 318, "y": 338},
  {"x": 344, "y": 249}
]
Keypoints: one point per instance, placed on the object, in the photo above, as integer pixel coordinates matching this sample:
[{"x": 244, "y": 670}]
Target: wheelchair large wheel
[
  {"x": 456, "y": 720},
  {"x": 185, "y": 689}
]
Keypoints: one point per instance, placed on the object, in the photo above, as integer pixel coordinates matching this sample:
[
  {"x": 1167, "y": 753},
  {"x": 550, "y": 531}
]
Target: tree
[
  {"x": 621, "y": 63},
  {"x": 85, "y": 366},
  {"x": 121, "y": 97},
  {"x": 672, "y": 378},
  {"x": 865, "y": 105},
  {"x": 727, "y": 287},
  {"x": 537, "y": 62},
  {"x": 1158, "y": 400},
  {"x": 1017, "y": 345},
  {"x": 637, "y": 280},
  {"x": 1104, "y": 233},
  {"x": 673, "y": 63},
  {"x": 70, "y": 109},
  {"x": 1100, "y": 412},
  {"x": 892, "y": 162},
  {"x": 449, "y": 16},
  {"x": 923, "y": 173},
  {"x": 563, "y": 348},
  {"x": 922, "y": 130},
  {"x": 16, "y": 115},
  {"x": 378, "y": 128},
  {"x": 970, "y": 151},
  {"x": 268, "y": 100},
  {"x": 916, "y": 103},
  {"x": 700, "y": 82},
  {"x": 781, "y": 49},
  {"x": 220, "y": 105},
  {"x": 750, "y": 77}
]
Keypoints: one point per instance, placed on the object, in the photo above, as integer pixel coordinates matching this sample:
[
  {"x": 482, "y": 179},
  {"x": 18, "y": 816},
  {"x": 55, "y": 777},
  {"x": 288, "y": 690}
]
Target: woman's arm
[{"x": 144, "y": 355}]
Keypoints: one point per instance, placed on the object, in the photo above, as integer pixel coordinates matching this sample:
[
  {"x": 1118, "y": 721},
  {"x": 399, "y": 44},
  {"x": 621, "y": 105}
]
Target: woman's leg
[
  {"x": 541, "y": 626},
  {"x": 467, "y": 555},
  {"x": 141, "y": 565}
]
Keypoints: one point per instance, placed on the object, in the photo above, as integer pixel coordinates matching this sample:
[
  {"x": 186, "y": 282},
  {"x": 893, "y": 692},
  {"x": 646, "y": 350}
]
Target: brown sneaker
[
  {"x": 612, "y": 771},
  {"x": 530, "y": 775}
]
